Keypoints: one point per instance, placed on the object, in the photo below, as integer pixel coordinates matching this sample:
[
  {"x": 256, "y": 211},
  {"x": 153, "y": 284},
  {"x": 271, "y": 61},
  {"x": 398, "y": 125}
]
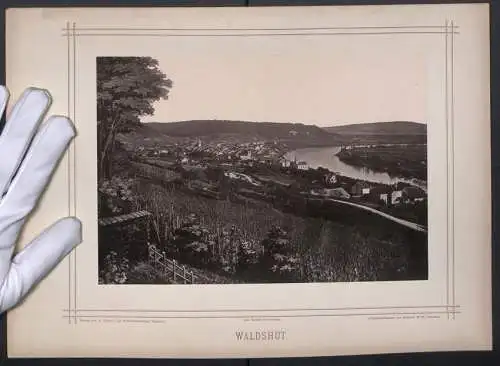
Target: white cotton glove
[{"x": 29, "y": 152}]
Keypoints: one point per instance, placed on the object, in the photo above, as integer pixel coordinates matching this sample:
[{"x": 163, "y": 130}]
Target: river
[{"x": 326, "y": 157}]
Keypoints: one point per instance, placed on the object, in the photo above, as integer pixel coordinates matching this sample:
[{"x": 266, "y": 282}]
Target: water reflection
[{"x": 325, "y": 157}]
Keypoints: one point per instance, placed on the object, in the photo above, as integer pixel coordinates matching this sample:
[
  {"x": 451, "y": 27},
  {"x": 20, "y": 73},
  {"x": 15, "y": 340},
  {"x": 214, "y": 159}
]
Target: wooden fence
[{"x": 170, "y": 268}]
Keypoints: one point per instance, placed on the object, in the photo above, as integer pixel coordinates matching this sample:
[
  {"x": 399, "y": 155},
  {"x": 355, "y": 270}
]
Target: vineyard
[{"x": 231, "y": 238}]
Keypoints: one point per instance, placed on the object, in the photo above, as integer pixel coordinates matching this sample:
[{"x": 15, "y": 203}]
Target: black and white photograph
[{"x": 260, "y": 170}]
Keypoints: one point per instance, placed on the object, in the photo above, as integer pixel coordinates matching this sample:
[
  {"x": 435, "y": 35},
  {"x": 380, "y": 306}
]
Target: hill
[
  {"x": 292, "y": 133},
  {"x": 145, "y": 136},
  {"x": 381, "y": 128},
  {"x": 382, "y": 132}
]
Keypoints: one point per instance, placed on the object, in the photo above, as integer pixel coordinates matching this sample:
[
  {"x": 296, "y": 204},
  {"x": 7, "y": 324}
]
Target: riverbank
[
  {"x": 327, "y": 158},
  {"x": 400, "y": 160}
]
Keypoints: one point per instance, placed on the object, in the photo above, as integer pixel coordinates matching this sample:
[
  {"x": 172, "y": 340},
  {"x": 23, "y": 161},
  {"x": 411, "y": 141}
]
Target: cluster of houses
[
  {"x": 196, "y": 152},
  {"x": 257, "y": 151},
  {"x": 231, "y": 154},
  {"x": 293, "y": 164},
  {"x": 391, "y": 196},
  {"x": 364, "y": 191},
  {"x": 368, "y": 146}
]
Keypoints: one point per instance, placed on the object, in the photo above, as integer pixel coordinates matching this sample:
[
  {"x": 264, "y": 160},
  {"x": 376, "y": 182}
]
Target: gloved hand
[{"x": 29, "y": 152}]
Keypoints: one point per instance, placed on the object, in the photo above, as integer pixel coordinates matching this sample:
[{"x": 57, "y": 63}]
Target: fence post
[
  {"x": 184, "y": 274},
  {"x": 148, "y": 223},
  {"x": 173, "y": 269},
  {"x": 164, "y": 264},
  {"x": 192, "y": 277}
]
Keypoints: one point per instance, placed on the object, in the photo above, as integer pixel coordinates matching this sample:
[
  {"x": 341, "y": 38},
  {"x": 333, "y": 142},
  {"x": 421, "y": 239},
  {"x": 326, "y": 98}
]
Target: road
[{"x": 406, "y": 223}]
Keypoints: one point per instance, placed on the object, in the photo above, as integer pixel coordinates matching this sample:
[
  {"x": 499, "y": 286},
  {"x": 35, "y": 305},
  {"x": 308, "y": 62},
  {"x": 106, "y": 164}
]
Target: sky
[{"x": 324, "y": 81}]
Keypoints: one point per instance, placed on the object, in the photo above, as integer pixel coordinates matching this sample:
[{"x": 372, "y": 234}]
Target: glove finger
[
  {"x": 35, "y": 171},
  {"x": 19, "y": 130},
  {"x": 4, "y": 98},
  {"x": 38, "y": 259}
]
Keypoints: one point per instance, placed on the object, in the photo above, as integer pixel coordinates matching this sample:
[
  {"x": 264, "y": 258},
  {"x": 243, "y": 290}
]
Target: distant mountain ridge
[
  {"x": 295, "y": 135},
  {"x": 381, "y": 128},
  {"x": 394, "y": 132}
]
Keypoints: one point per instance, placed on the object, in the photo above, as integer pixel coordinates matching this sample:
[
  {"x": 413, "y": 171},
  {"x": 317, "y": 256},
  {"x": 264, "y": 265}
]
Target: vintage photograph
[{"x": 227, "y": 173}]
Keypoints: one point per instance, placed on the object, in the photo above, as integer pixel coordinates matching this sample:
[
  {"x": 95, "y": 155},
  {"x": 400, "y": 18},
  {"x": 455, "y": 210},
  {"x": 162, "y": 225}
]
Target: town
[{"x": 254, "y": 167}]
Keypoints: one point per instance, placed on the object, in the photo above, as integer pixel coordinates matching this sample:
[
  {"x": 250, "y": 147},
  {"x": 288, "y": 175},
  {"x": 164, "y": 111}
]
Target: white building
[
  {"x": 396, "y": 197},
  {"x": 248, "y": 156},
  {"x": 331, "y": 179},
  {"x": 285, "y": 163},
  {"x": 302, "y": 165}
]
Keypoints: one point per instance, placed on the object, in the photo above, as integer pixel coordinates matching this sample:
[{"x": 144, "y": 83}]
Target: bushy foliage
[
  {"x": 279, "y": 256},
  {"x": 114, "y": 269},
  {"x": 191, "y": 241},
  {"x": 222, "y": 250},
  {"x": 248, "y": 254},
  {"x": 116, "y": 196},
  {"x": 143, "y": 272}
]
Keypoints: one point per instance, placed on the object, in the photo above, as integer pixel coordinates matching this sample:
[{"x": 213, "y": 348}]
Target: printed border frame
[{"x": 449, "y": 30}]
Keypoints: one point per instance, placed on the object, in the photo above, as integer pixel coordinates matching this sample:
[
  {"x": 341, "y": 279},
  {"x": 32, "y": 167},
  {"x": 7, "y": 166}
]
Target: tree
[
  {"x": 279, "y": 258},
  {"x": 276, "y": 242},
  {"x": 127, "y": 87}
]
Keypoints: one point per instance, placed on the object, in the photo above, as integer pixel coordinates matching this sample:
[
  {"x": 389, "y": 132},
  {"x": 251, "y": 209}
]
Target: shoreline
[{"x": 396, "y": 178}]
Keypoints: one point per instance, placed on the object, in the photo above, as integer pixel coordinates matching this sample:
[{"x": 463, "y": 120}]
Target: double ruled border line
[
  {"x": 71, "y": 158},
  {"x": 449, "y": 29}
]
